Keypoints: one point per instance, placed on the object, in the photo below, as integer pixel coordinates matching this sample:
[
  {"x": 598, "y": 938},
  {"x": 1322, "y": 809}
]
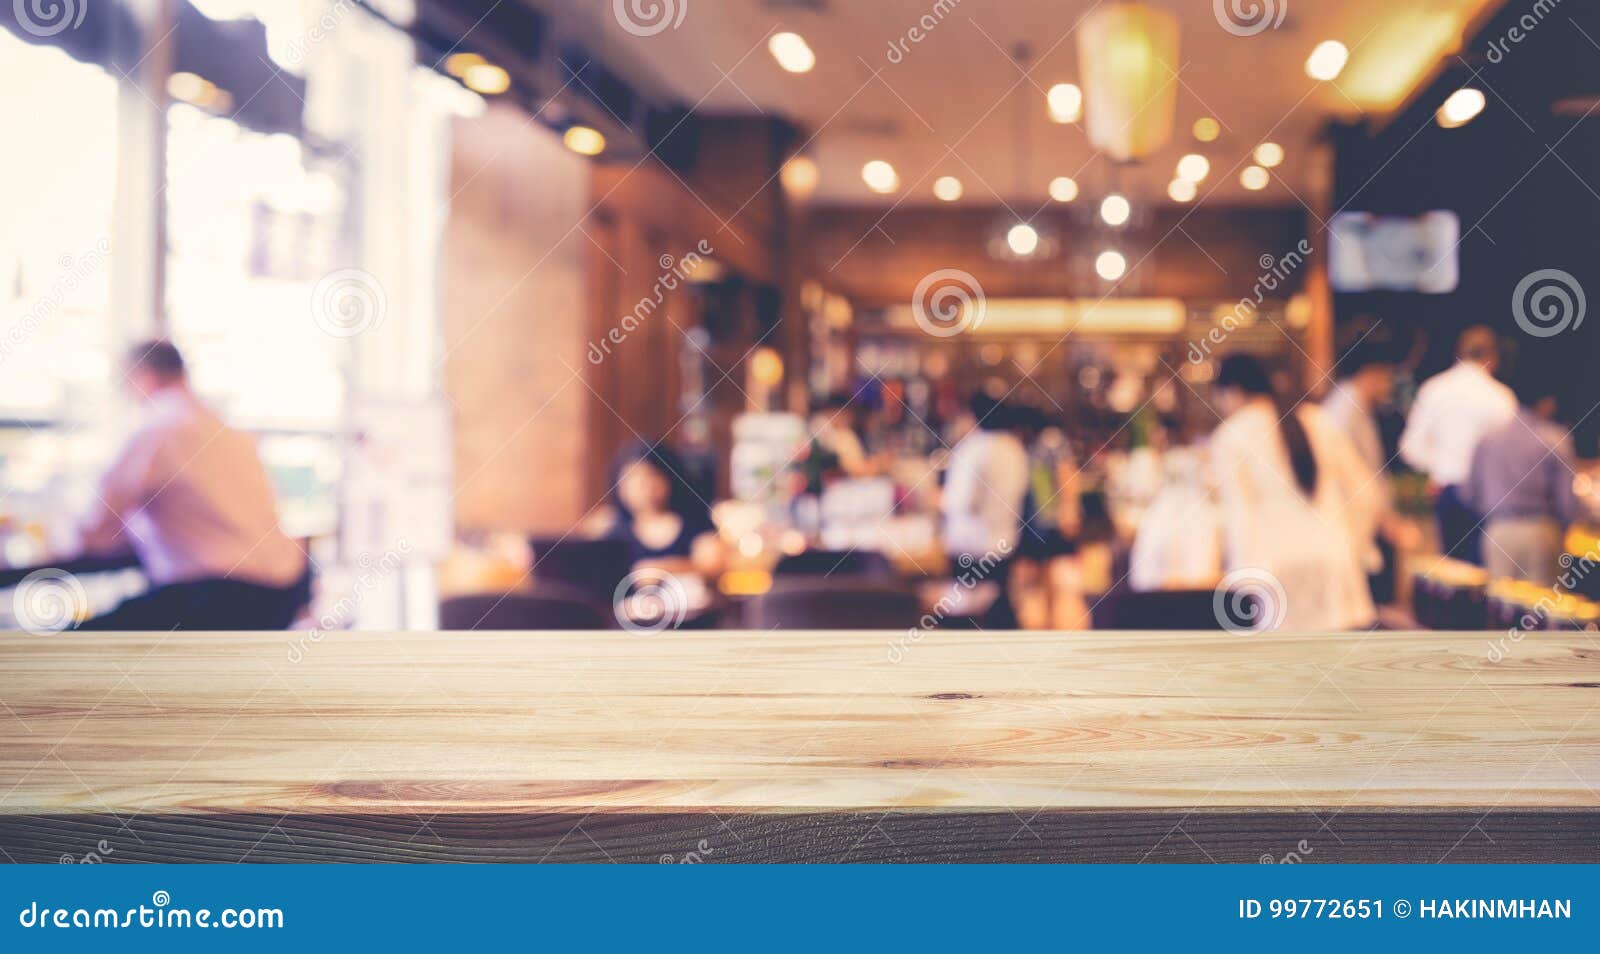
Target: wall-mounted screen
[{"x": 1370, "y": 252}]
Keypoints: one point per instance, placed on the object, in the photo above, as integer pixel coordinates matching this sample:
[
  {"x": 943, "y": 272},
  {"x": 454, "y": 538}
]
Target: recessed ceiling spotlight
[
  {"x": 1023, "y": 239},
  {"x": 1461, "y": 108},
  {"x": 1114, "y": 209},
  {"x": 799, "y": 176},
  {"x": 1207, "y": 129},
  {"x": 880, "y": 177},
  {"x": 1063, "y": 189},
  {"x": 584, "y": 140},
  {"x": 947, "y": 188},
  {"x": 1327, "y": 61},
  {"x": 486, "y": 78},
  {"x": 1193, "y": 167},
  {"x": 1066, "y": 103},
  {"x": 1254, "y": 178},
  {"x": 1110, "y": 265},
  {"x": 792, "y": 52},
  {"x": 1269, "y": 155},
  {"x": 1182, "y": 190}
]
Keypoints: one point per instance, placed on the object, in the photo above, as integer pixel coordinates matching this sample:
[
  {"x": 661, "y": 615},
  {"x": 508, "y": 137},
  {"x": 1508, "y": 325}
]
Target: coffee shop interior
[{"x": 325, "y": 315}]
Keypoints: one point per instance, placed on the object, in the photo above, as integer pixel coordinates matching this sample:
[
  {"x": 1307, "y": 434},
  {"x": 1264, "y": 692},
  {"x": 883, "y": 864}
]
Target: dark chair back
[
  {"x": 796, "y": 603},
  {"x": 1169, "y": 609},
  {"x": 547, "y": 607},
  {"x": 594, "y": 566},
  {"x": 834, "y": 563}
]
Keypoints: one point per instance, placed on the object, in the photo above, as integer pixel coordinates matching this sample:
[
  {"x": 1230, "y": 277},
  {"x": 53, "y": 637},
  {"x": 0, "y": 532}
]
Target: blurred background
[{"x": 679, "y": 314}]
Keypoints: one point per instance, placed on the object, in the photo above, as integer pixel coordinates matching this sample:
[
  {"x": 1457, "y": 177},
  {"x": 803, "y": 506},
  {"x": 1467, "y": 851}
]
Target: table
[{"x": 791, "y": 746}]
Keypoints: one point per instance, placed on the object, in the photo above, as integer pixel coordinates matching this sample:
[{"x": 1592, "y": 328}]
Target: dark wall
[{"x": 1524, "y": 180}]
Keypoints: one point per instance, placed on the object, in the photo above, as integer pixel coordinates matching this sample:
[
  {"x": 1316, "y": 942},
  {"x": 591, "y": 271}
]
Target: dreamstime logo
[
  {"x": 698, "y": 856},
  {"x": 948, "y": 302},
  {"x": 347, "y": 302},
  {"x": 649, "y": 17},
  {"x": 1548, "y": 302},
  {"x": 649, "y": 601},
  {"x": 1250, "y": 17},
  {"x": 44, "y": 18},
  {"x": 49, "y": 601},
  {"x": 1250, "y": 600},
  {"x": 1275, "y": 272},
  {"x": 674, "y": 272}
]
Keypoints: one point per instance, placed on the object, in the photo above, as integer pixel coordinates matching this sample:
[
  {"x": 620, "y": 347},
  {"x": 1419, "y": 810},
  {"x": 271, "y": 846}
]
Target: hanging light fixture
[
  {"x": 1128, "y": 54},
  {"x": 1014, "y": 238}
]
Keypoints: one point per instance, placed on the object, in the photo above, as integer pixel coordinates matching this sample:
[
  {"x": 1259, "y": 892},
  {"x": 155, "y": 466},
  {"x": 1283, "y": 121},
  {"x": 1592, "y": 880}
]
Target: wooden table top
[{"x": 369, "y": 724}]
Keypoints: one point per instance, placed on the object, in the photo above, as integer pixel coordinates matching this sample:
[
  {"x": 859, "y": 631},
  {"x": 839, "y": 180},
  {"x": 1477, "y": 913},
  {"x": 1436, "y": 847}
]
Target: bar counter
[{"x": 788, "y": 746}]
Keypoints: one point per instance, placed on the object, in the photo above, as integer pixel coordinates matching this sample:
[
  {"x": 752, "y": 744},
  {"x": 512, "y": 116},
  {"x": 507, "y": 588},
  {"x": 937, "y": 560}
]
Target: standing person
[
  {"x": 1453, "y": 410},
  {"x": 1297, "y": 504},
  {"x": 1521, "y": 481},
  {"x": 188, "y": 495},
  {"x": 982, "y": 502}
]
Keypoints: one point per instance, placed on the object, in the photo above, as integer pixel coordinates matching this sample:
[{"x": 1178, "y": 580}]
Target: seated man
[{"x": 189, "y": 496}]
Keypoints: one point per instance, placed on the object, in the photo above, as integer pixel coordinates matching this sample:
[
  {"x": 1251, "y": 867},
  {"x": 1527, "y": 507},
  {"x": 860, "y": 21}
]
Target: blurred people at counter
[
  {"x": 835, "y": 448},
  {"x": 1297, "y": 501},
  {"x": 1520, "y": 480},
  {"x": 664, "y": 521},
  {"x": 1452, "y": 412},
  {"x": 188, "y": 495},
  {"x": 984, "y": 489}
]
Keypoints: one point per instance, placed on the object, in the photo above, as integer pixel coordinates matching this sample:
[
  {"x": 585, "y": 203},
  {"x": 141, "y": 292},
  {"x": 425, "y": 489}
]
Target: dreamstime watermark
[
  {"x": 674, "y": 272},
  {"x": 1294, "y": 857},
  {"x": 95, "y": 857},
  {"x": 919, "y": 31},
  {"x": 1575, "y": 569},
  {"x": 1274, "y": 273},
  {"x": 948, "y": 302},
  {"x": 159, "y": 913},
  {"x": 650, "y": 17},
  {"x": 1250, "y": 600},
  {"x": 974, "y": 570},
  {"x": 650, "y": 600},
  {"x": 1250, "y": 17},
  {"x": 75, "y": 272},
  {"x": 1548, "y": 302},
  {"x": 297, "y": 49},
  {"x": 698, "y": 856},
  {"x": 371, "y": 574},
  {"x": 46, "y": 18},
  {"x": 48, "y": 601},
  {"x": 1519, "y": 31},
  {"x": 348, "y": 302}
]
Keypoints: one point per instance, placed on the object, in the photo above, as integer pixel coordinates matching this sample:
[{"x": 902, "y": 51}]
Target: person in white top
[
  {"x": 1453, "y": 410},
  {"x": 189, "y": 496},
  {"x": 1298, "y": 506},
  {"x": 986, "y": 483}
]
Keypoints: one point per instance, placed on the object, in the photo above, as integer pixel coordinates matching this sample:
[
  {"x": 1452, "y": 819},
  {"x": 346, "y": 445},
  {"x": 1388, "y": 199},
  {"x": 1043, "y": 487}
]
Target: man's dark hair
[
  {"x": 1532, "y": 384},
  {"x": 991, "y": 413},
  {"x": 1363, "y": 355},
  {"x": 158, "y": 356}
]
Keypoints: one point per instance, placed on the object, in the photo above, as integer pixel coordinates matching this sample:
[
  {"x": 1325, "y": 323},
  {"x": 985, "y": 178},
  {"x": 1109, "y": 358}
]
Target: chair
[
  {"x": 832, "y": 563},
  {"x": 596, "y": 567},
  {"x": 1165, "y": 609},
  {"x": 804, "y": 602},
  {"x": 549, "y": 606}
]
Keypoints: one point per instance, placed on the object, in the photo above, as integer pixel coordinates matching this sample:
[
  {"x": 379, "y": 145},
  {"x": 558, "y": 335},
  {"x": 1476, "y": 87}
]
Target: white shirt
[
  {"x": 1310, "y": 547},
  {"x": 189, "y": 495},
  {"x": 1454, "y": 409},
  {"x": 983, "y": 493}
]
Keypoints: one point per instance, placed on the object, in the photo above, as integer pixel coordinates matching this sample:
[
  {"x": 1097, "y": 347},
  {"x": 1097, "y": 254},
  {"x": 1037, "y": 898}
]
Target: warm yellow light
[
  {"x": 584, "y": 141},
  {"x": 486, "y": 78},
  {"x": 1269, "y": 155},
  {"x": 1066, "y": 103},
  {"x": 1182, "y": 190},
  {"x": 1063, "y": 189},
  {"x": 1327, "y": 60},
  {"x": 1023, "y": 239},
  {"x": 1207, "y": 129},
  {"x": 1114, "y": 209},
  {"x": 1193, "y": 167},
  {"x": 792, "y": 52},
  {"x": 880, "y": 177},
  {"x": 1110, "y": 265},
  {"x": 1461, "y": 108},
  {"x": 799, "y": 176},
  {"x": 1128, "y": 63},
  {"x": 457, "y": 64},
  {"x": 947, "y": 188},
  {"x": 766, "y": 367},
  {"x": 1254, "y": 178}
]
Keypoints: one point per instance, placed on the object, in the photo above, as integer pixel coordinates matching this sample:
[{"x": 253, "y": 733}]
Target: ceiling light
[
  {"x": 880, "y": 177},
  {"x": 1207, "y": 129},
  {"x": 792, "y": 52},
  {"x": 1063, "y": 189},
  {"x": 1254, "y": 178},
  {"x": 1023, "y": 239},
  {"x": 1182, "y": 190},
  {"x": 584, "y": 141},
  {"x": 1110, "y": 265},
  {"x": 1193, "y": 167},
  {"x": 1269, "y": 155},
  {"x": 1461, "y": 108},
  {"x": 947, "y": 188},
  {"x": 799, "y": 176},
  {"x": 1114, "y": 209},
  {"x": 486, "y": 78},
  {"x": 457, "y": 64},
  {"x": 1327, "y": 60},
  {"x": 1066, "y": 103}
]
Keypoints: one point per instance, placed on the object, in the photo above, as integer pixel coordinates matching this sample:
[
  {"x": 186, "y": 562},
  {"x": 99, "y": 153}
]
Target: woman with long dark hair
[
  {"x": 1298, "y": 505},
  {"x": 664, "y": 521}
]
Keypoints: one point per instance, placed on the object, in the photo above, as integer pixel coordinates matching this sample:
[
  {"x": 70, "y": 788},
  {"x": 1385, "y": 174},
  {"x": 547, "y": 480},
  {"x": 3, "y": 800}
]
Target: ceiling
[{"x": 950, "y": 105}]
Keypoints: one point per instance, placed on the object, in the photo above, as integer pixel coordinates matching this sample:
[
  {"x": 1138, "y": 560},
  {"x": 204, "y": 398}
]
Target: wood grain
[{"x": 800, "y": 746}]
